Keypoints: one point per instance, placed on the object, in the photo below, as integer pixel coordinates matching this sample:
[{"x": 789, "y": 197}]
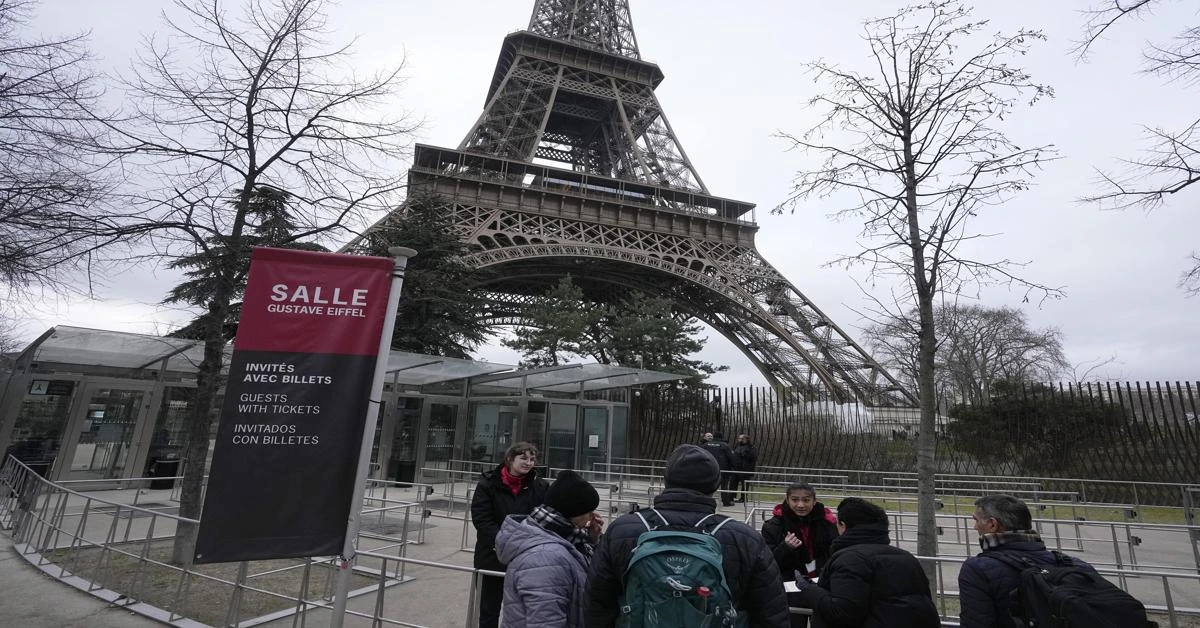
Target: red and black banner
[{"x": 295, "y": 404}]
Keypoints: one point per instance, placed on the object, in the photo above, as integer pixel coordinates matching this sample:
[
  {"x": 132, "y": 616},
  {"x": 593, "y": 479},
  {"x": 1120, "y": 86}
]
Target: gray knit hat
[{"x": 691, "y": 466}]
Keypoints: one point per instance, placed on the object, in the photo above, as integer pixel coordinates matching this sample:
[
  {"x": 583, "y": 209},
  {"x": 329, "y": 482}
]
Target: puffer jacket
[
  {"x": 870, "y": 584},
  {"x": 546, "y": 580},
  {"x": 986, "y": 585},
  {"x": 492, "y": 502},
  {"x": 818, "y": 529},
  {"x": 750, "y": 571}
]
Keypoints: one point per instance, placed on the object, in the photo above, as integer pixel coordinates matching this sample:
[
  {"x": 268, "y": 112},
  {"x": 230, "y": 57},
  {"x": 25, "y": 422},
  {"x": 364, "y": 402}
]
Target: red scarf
[{"x": 513, "y": 482}]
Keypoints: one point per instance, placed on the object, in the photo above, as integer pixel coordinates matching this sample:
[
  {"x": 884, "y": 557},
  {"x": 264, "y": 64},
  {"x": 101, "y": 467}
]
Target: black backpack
[{"x": 1066, "y": 595}]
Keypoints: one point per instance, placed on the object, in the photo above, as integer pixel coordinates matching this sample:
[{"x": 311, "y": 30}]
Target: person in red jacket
[
  {"x": 801, "y": 532},
  {"x": 800, "y": 535}
]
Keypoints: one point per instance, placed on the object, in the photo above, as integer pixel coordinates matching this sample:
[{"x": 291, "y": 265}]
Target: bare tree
[
  {"x": 977, "y": 347},
  {"x": 1171, "y": 162},
  {"x": 919, "y": 151},
  {"x": 52, "y": 211},
  {"x": 10, "y": 341},
  {"x": 225, "y": 105}
]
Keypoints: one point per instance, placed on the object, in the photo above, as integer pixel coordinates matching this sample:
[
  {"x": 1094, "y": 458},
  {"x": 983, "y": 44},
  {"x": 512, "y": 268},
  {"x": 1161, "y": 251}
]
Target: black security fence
[{"x": 1123, "y": 432}]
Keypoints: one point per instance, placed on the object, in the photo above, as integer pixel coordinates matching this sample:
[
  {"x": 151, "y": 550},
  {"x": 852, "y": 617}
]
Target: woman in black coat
[
  {"x": 512, "y": 488},
  {"x": 867, "y": 582}
]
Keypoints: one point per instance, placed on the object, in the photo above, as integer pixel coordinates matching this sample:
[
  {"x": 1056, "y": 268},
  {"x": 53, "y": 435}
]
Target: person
[
  {"x": 867, "y": 583},
  {"x": 800, "y": 532},
  {"x": 745, "y": 459},
  {"x": 715, "y": 443},
  {"x": 986, "y": 585},
  {"x": 512, "y": 488},
  {"x": 692, "y": 475},
  {"x": 547, "y": 553}
]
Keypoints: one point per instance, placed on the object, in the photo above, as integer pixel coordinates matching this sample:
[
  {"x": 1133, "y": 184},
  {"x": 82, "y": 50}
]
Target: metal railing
[{"x": 76, "y": 536}]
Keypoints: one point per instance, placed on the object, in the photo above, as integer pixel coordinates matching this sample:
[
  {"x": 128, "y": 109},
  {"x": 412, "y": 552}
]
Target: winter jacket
[
  {"x": 721, "y": 451},
  {"x": 745, "y": 458},
  {"x": 750, "y": 572},
  {"x": 546, "y": 581},
  {"x": 986, "y": 585},
  {"x": 492, "y": 502},
  {"x": 819, "y": 527},
  {"x": 870, "y": 584}
]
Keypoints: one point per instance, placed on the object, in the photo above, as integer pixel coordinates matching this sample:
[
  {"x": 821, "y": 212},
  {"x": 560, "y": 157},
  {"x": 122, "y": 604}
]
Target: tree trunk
[
  {"x": 208, "y": 381},
  {"x": 924, "y": 284}
]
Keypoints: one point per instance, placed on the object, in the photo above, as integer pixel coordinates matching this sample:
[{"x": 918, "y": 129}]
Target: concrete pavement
[{"x": 31, "y": 599}]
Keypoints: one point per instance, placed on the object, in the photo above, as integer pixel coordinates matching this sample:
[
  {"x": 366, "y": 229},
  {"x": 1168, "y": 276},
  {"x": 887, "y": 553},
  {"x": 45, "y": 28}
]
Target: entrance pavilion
[{"x": 89, "y": 404}]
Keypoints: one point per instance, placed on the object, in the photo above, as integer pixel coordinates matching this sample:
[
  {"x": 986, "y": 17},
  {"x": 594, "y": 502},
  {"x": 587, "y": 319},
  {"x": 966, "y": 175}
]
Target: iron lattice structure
[{"x": 573, "y": 169}]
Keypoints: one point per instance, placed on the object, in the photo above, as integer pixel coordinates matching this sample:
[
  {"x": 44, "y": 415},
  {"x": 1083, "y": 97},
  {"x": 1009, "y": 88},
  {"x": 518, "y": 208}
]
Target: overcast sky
[{"x": 733, "y": 78}]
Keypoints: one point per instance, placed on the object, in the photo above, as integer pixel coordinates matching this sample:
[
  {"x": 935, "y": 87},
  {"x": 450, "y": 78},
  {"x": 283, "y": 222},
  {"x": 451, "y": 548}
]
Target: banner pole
[{"x": 401, "y": 254}]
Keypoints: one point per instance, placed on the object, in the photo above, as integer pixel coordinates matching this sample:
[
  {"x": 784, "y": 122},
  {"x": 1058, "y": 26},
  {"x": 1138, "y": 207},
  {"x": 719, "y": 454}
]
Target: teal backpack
[{"x": 676, "y": 578}]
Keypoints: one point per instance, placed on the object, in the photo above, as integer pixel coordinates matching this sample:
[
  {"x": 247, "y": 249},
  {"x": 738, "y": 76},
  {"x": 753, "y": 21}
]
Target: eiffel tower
[{"x": 573, "y": 169}]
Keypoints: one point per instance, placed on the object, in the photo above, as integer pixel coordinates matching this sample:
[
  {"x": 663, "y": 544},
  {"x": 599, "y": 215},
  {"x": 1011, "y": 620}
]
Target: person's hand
[
  {"x": 595, "y": 526},
  {"x": 802, "y": 582},
  {"x": 792, "y": 541}
]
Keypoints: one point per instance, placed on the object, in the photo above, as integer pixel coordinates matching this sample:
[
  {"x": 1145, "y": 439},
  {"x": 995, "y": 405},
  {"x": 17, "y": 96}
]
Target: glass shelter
[{"x": 87, "y": 404}]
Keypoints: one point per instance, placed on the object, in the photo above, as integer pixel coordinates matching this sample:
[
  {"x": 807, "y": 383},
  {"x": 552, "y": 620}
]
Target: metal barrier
[{"x": 70, "y": 534}]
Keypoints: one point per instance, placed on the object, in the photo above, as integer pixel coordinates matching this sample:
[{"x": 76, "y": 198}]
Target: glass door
[
  {"x": 560, "y": 442},
  {"x": 170, "y": 433},
  {"x": 490, "y": 433},
  {"x": 402, "y": 461},
  {"x": 439, "y": 437},
  {"x": 594, "y": 441},
  {"x": 38, "y": 432},
  {"x": 104, "y": 433}
]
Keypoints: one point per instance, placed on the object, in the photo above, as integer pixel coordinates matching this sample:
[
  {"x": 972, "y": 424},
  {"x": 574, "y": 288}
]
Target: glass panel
[
  {"x": 373, "y": 470},
  {"x": 105, "y": 434},
  {"x": 594, "y": 440},
  {"x": 170, "y": 432},
  {"x": 403, "y": 462},
  {"x": 76, "y": 345},
  {"x": 491, "y": 430},
  {"x": 439, "y": 442},
  {"x": 560, "y": 450},
  {"x": 620, "y": 439},
  {"x": 37, "y": 433},
  {"x": 535, "y": 424}
]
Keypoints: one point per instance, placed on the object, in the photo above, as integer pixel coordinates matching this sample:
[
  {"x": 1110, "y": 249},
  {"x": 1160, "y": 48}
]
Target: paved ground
[{"x": 31, "y": 599}]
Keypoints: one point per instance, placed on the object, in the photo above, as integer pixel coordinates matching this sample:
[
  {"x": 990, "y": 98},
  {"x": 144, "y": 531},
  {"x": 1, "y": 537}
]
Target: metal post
[{"x": 401, "y": 255}]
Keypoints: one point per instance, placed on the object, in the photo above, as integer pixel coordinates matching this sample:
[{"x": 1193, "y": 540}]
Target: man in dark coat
[
  {"x": 512, "y": 488},
  {"x": 868, "y": 583},
  {"x": 745, "y": 459},
  {"x": 986, "y": 586},
  {"x": 722, "y": 452},
  {"x": 691, "y": 477}
]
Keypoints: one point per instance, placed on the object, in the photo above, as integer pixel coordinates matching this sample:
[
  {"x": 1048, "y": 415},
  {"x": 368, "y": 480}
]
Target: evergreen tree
[
  {"x": 562, "y": 325},
  {"x": 640, "y": 330},
  {"x": 268, "y": 223},
  {"x": 441, "y": 309}
]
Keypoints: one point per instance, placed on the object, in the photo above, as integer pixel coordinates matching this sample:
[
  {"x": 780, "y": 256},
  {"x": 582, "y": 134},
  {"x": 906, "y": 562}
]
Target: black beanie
[
  {"x": 571, "y": 495},
  {"x": 691, "y": 466}
]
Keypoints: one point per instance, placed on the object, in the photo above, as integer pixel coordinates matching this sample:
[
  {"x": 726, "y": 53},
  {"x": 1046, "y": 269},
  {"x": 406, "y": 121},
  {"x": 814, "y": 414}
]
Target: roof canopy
[{"x": 68, "y": 345}]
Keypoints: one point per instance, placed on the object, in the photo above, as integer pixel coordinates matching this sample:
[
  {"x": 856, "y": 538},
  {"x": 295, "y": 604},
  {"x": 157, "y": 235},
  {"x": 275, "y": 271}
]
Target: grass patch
[{"x": 279, "y": 582}]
